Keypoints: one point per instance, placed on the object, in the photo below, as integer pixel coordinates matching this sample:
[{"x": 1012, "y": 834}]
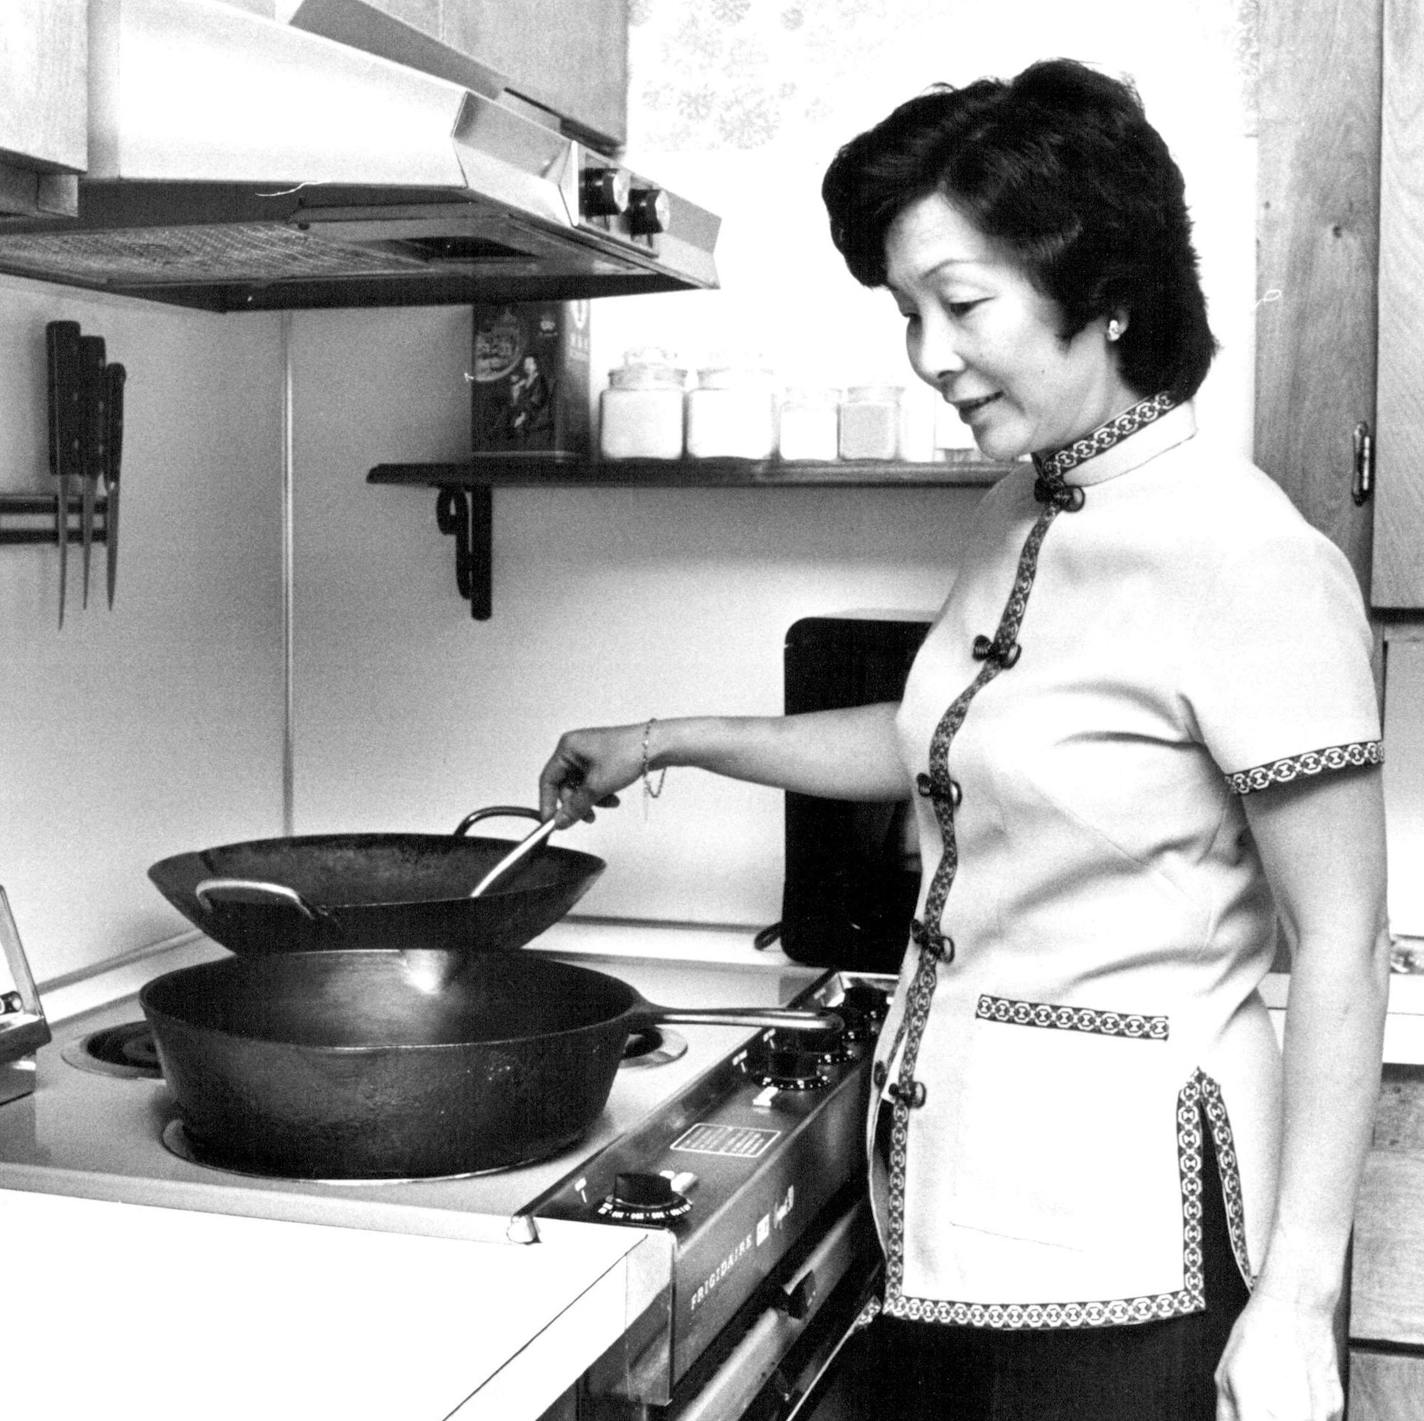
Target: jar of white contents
[
  {"x": 870, "y": 422},
  {"x": 808, "y": 424},
  {"x": 640, "y": 413},
  {"x": 731, "y": 414}
]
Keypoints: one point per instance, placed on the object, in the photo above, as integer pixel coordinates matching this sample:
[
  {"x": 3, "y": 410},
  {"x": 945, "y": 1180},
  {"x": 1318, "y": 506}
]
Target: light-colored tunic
[{"x": 1086, "y": 1001}]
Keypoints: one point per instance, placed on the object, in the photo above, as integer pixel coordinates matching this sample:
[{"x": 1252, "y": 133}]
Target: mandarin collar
[{"x": 1121, "y": 444}]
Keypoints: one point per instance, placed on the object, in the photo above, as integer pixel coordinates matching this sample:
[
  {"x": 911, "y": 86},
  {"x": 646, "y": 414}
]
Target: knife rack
[{"x": 30, "y": 518}]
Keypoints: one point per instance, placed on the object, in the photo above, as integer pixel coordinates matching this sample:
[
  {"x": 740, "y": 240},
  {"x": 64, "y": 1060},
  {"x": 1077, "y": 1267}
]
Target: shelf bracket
[{"x": 466, "y": 514}]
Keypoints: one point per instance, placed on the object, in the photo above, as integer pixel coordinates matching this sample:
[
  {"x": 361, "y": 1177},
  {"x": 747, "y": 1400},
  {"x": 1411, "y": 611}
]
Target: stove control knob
[
  {"x": 862, "y": 1009},
  {"x": 648, "y": 211},
  {"x": 604, "y": 191},
  {"x": 645, "y": 1199},
  {"x": 791, "y": 1068}
]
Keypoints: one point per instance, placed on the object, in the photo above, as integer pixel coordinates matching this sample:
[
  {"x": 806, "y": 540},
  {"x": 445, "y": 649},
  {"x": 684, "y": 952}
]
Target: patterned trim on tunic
[
  {"x": 1054, "y": 465},
  {"x": 1090, "y": 1019},
  {"x": 933, "y": 945},
  {"x": 1200, "y": 1099},
  {"x": 1312, "y": 762}
]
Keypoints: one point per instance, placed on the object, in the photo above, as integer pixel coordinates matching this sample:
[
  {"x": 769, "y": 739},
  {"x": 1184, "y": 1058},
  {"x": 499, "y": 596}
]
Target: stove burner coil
[
  {"x": 126, "y": 1050},
  {"x": 652, "y": 1046}
]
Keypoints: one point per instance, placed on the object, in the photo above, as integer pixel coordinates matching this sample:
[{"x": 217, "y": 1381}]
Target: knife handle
[
  {"x": 114, "y": 377},
  {"x": 61, "y": 348},
  {"x": 91, "y": 385}
]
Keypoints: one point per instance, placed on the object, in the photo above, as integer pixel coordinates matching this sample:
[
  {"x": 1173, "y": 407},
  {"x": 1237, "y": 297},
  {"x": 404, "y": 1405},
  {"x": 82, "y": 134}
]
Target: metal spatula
[{"x": 516, "y": 855}]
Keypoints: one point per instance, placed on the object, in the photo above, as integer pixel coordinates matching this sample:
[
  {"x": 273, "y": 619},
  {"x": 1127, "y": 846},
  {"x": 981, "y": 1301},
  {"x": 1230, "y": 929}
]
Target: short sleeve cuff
[{"x": 1310, "y": 762}]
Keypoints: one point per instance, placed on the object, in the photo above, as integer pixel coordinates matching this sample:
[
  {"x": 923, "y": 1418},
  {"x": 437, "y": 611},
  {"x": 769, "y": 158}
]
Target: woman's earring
[{"x": 1114, "y": 329}]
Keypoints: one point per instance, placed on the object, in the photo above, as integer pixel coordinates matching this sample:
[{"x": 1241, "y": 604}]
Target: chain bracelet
[{"x": 651, "y": 791}]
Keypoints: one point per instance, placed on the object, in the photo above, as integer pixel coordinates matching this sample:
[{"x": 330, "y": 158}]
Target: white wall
[{"x": 154, "y": 727}]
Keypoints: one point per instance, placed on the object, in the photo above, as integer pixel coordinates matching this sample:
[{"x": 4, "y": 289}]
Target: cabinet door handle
[{"x": 1363, "y": 482}]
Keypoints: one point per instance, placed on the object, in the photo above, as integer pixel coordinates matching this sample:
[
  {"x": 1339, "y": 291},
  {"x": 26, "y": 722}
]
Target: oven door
[{"x": 778, "y": 1356}]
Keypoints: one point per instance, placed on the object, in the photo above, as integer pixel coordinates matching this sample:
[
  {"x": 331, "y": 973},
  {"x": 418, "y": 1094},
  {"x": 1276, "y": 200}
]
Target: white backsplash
[{"x": 157, "y": 726}]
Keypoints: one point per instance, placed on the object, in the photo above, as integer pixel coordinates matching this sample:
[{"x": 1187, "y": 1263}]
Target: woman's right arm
[{"x": 841, "y": 754}]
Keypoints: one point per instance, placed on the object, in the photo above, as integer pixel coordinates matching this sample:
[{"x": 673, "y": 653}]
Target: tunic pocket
[{"x": 1053, "y": 1131}]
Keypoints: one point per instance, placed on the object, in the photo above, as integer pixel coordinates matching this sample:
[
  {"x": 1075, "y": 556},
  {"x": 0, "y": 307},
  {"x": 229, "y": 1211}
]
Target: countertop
[{"x": 351, "y": 1325}]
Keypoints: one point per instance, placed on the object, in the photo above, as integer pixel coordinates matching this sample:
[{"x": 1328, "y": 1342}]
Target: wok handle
[
  {"x": 781, "y": 1018},
  {"x": 496, "y": 811},
  {"x": 205, "y": 891}
]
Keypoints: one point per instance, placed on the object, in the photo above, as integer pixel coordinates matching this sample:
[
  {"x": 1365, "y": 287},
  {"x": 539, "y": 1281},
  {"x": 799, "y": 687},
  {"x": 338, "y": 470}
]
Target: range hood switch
[
  {"x": 648, "y": 211},
  {"x": 604, "y": 191}
]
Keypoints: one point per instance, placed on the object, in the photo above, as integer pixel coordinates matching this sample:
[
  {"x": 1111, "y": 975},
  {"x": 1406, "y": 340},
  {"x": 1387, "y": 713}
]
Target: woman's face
[{"x": 987, "y": 339}]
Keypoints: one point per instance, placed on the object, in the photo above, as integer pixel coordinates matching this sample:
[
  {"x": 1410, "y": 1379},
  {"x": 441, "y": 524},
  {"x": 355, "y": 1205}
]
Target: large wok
[
  {"x": 325, "y": 891},
  {"x": 361, "y": 1065}
]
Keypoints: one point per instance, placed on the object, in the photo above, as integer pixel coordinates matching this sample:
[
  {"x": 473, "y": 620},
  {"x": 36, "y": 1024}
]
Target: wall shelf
[{"x": 464, "y": 502}]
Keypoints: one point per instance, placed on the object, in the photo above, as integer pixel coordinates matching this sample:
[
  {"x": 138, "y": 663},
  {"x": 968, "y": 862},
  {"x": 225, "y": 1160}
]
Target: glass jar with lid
[
  {"x": 731, "y": 413},
  {"x": 870, "y": 422},
  {"x": 641, "y": 410},
  {"x": 809, "y": 424}
]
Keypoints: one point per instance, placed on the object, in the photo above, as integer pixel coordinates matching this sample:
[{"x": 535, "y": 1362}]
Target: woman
[{"x": 1142, "y": 725}]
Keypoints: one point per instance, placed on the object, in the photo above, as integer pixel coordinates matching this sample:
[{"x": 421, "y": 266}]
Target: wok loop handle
[
  {"x": 780, "y": 1018},
  {"x": 496, "y": 811},
  {"x": 205, "y": 891}
]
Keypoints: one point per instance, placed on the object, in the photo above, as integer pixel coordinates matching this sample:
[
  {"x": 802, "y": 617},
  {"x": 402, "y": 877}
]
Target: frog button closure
[
  {"x": 990, "y": 649},
  {"x": 912, "y": 1095},
  {"x": 925, "y": 788}
]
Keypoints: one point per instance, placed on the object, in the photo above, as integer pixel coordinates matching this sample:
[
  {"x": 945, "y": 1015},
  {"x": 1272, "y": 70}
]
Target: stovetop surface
[{"x": 99, "y": 1135}]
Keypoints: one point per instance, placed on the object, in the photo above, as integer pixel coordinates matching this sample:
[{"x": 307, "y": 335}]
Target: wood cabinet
[
  {"x": 1386, "y": 1365},
  {"x": 1398, "y": 579},
  {"x": 1385, "y": 1386},
  {"x": 44, "y": 103},
  {"x": 571, "y": 59},
  {"x": 1340, "y": 324}
]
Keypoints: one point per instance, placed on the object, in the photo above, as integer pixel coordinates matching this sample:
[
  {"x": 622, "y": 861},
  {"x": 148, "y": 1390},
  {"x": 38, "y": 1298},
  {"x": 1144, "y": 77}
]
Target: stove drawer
[{"x": 775, "y": 1352}]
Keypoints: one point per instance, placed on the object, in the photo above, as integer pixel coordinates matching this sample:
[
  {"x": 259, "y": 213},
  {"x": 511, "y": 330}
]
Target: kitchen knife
[
  {"x": 92, "y": 461},
  {"x": 114, "y": 377},
  {"x": 62, "y": 353}
]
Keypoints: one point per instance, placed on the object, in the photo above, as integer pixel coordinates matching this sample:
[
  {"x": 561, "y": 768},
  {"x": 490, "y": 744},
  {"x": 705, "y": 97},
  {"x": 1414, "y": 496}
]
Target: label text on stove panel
[
  {"x": 709, "y": 1285},
  {"x": 735, "y": 1141},
  {"x": 743, "y": 1247}
]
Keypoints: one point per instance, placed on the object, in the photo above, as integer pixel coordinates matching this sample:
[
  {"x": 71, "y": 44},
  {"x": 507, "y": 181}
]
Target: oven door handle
[{"x": 754, "y": 1361}]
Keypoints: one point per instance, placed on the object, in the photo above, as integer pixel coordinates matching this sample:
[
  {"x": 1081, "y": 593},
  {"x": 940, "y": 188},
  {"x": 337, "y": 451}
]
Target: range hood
[{"x": 237, "y": 163}]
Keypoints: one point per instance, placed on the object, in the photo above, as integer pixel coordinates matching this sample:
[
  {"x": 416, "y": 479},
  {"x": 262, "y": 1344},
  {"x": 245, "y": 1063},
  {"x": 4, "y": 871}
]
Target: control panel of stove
[{"x": 737, "y": 1168}]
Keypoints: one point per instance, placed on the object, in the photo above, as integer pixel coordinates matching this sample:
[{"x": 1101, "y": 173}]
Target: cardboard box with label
[{"x": 530, "y": 380}]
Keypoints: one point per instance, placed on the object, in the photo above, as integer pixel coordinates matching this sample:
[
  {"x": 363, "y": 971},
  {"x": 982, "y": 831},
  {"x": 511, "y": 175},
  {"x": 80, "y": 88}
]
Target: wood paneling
[
  {"x": 1385, "y": 1387},
  {"x": 44, "y": 96},
  {"x": 572, "y": 59},
  {"x": 1318, "y": 190},
  {"x": 1399, "y": 506},
  {"x": 1387, "y": 1275}
]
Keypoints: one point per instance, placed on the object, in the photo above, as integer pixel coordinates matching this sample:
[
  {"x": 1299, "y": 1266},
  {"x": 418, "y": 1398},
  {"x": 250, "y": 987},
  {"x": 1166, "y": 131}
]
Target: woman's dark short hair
[{"x": 1061, "y": 167}]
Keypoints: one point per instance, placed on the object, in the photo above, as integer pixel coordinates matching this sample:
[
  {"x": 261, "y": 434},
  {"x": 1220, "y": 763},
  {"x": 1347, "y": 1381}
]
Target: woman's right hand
[{"x": 586, "y": 771}]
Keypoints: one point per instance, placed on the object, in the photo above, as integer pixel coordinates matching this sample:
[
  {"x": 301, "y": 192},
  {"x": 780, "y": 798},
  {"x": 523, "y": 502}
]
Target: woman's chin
[{"x": 999, "y": 450}]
